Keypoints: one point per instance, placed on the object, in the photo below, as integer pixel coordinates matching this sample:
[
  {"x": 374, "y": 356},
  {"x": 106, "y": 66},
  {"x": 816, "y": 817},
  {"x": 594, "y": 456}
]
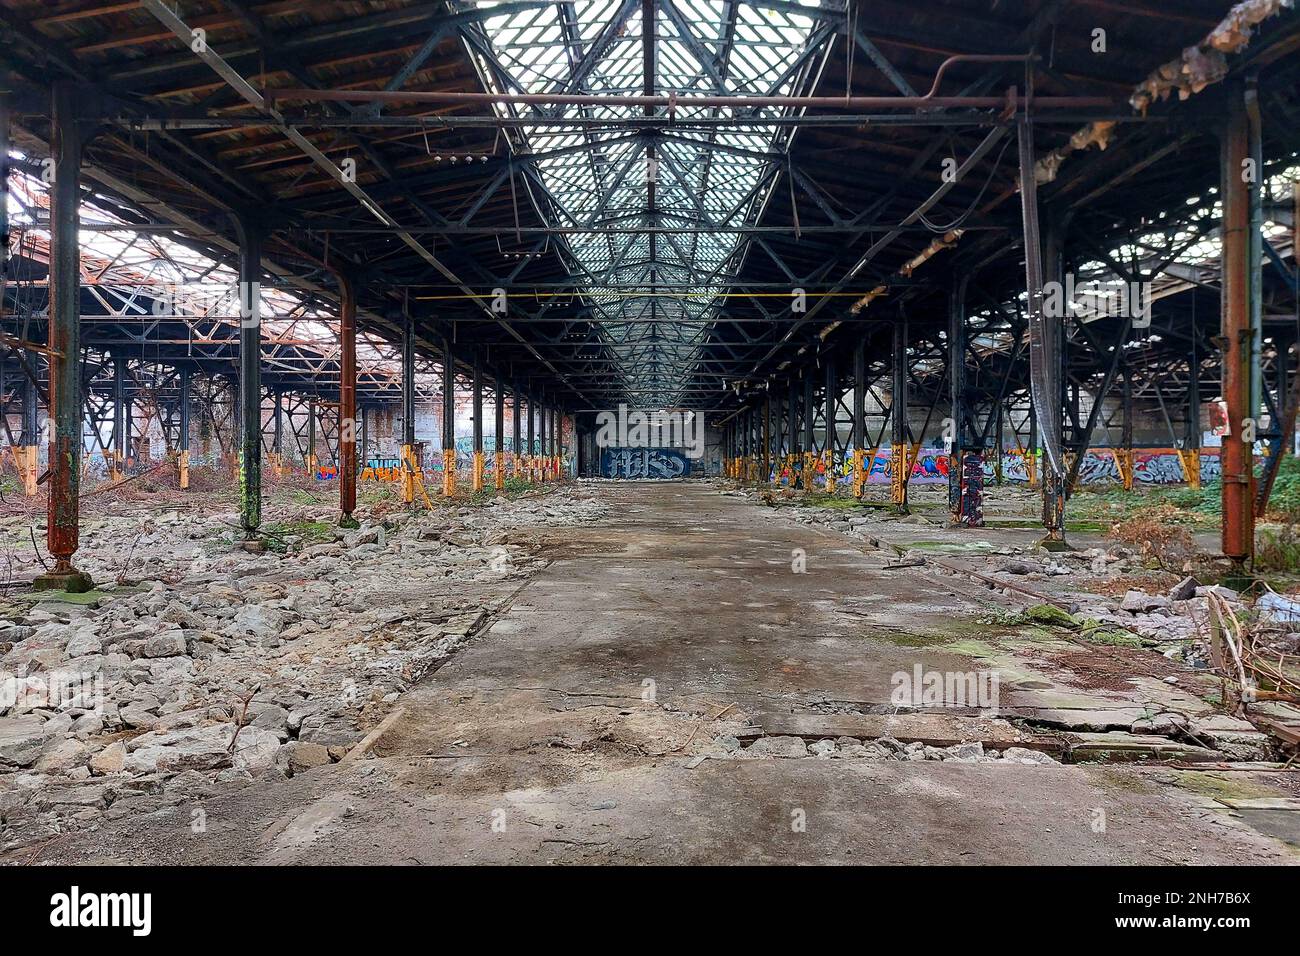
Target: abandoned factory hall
[{"x": 648, "y": 432}]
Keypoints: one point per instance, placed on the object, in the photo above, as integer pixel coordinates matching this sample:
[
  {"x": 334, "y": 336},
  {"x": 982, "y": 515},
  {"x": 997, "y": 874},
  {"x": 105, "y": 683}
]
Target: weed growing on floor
[
  {"x": 1159, "y": 533},
  {"x": 277, "y": 536}
]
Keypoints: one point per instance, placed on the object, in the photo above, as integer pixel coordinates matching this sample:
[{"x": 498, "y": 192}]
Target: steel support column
[
  {"x": 448, "y": 420},
  {"x": 412, "y": 472},
  {"x": 831, "y": 398},
  {"x": 277, "y": 431},
  {"x": 119, "y": 418},
  {"x": 499, "y": 443},
  {"x": 530, "y": 465},
  {"x": 1049, "y": 393},
  {"x": 249, "y": 234},
  {"x": 62, "y": 527},
  {"x": 859, "y": 439},
  {"x": 183, "y": 453},
  {"x": 477, "y": 415},
  {"x": 347, "y": 403},
  {"x": 966, "y": 457},
  {"x": 1236, "y": 342},
  {"x": 518, "y": 428},
  {"x": 543, "y": 452},
  {"x": 900, "y": 460},
  {"x": 808, "y": 463},
  {"x": 767, "y": 436},
  {"x": 30, "y": 434}
]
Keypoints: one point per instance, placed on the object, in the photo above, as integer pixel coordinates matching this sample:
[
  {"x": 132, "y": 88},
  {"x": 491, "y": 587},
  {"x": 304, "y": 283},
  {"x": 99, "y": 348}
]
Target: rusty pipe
[{"x": 673, "y": 101}]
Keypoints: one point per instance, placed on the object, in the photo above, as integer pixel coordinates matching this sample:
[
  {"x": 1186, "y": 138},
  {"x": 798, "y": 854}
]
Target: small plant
[{"x": 1278, "y": 549}]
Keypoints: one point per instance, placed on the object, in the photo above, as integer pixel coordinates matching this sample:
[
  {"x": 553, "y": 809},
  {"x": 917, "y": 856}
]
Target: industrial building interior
[{"x": 650, "y": 432}]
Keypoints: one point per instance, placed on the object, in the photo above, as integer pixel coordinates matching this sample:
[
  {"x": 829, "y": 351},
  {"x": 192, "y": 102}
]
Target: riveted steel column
[
  {"x": 859, "y": 417},
  {"x": 499, "y": 443},
  {"x": 477, "y": 414},
  {"x": 448, "y": 420},
  {"x": 766, "y": 437},
  {"x": 1237, "y": 338},
  {"x": 900, "y": 459},
  {"x": 183, "y": 453},
  {"x": 517, "y": 427},
  {"x": 410, "y": 466},
  {"x": 347, "y": 403},
  {"x": 62, "y": 527},
  {"x": 543, "y": 451},
  {"x": 532, "y": 430},
  {"x": 119, "y": 416},
  {"x": 831, "y": 398},
  {"x": 249, "y": 234}
]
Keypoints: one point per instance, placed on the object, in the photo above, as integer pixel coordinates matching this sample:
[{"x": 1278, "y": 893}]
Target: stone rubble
[
  {"x": 883, "y": 748},
  {"x": 226, "y": 665}
]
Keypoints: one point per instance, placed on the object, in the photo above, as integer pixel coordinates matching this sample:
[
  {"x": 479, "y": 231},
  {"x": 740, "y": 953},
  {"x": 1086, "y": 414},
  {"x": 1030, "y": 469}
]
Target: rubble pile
[
  {"x": 223, "y": 665},
  {"x": 881, "y": 748}
]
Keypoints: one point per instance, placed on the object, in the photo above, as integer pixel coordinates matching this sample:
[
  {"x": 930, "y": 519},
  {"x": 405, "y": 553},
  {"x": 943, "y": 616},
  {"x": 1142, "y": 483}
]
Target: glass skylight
[{"x": 654, "y": 293}]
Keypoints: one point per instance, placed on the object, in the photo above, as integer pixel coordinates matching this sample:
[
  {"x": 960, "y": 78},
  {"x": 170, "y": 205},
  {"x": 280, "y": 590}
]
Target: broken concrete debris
[
  {"x": 230, "y": 665},
  {"x": 883, "y": 748}
]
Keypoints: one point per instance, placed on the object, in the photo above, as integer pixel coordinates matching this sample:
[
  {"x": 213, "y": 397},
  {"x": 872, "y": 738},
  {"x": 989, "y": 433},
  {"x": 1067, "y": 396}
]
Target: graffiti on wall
[
  {"x": 1151, "y": 466},
  {"x": 634, "y": 463}
]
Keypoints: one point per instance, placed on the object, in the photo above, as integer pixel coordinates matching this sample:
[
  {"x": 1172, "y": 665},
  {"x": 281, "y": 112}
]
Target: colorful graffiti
[
  {"x": 382, "y": 469},
  {"x": 1151, "y": 466},
  {"x": 637, "y": 463}
]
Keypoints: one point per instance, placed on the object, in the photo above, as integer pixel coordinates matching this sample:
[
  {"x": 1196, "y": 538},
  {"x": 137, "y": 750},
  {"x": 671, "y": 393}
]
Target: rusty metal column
[
  {"x": 62, "y": 527},
  {"x": 532, "y": 430},
  {"x": 183, "y": 457},
  {"x": 899, "y": 458},
  {"x": 477, "y": 413},
  {"x": 517, "y": 426},
  {"x": 832, "y": 386},
  {"x": 411, "y": 467},
  {"x": 249, "y": 235},
  {"x": 30, "y": 432},
  {"x": 543, "y": 452},
  {"x": 1236, "y": 339},
  {"x": 765, "y": 438},
  {"x": 119, "y": 417},
  {"x": 859, "y": 418},
  {"x": 347, "y": 403},
  {"x": 807, "y": 464},
  {"x": 499, "y": 444},
  {"x": 448, "y": 420},
  {"x": 277, "y": 430}
]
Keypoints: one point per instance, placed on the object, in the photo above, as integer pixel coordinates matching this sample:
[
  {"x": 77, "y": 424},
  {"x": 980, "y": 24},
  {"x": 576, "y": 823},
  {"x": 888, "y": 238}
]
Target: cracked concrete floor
[{"x": 573, "y": 729}]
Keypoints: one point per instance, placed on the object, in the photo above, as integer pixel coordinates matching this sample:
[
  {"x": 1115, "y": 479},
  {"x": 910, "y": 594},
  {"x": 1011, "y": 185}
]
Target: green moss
[
  {"x": 1052, "y": 615},
  {"x": 971, "y": 648},
  {"x": 276, "y": 534},
  {"x": 1228, "y": 786},
  {"x": 1095, "y": 632}
]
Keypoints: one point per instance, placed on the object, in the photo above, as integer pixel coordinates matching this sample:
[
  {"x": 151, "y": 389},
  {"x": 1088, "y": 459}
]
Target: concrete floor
[{"x": 573, "y": 729}]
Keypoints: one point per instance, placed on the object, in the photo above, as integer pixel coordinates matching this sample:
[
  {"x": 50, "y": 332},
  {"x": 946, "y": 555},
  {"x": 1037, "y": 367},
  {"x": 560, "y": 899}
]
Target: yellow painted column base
[
  {"x": 859, "y": 472},
  {"x": 408, "y": 474},
  {"x": 28, "y": 461},
  {"x": 183, "y": 470},
  {"x": 499, "y": 472},
  {"x": 478, "y": 471},
  {"x": 1190, "y": 459},
  {"x": 449, "y": 472}
]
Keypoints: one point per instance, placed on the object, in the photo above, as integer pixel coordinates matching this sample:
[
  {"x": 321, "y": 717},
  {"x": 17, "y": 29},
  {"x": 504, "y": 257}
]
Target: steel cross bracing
[{"x": 601, "y": 185}]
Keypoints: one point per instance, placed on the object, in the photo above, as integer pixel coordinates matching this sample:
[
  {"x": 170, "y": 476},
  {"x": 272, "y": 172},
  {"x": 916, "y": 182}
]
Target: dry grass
[{"x": 1159, "y": 533}]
